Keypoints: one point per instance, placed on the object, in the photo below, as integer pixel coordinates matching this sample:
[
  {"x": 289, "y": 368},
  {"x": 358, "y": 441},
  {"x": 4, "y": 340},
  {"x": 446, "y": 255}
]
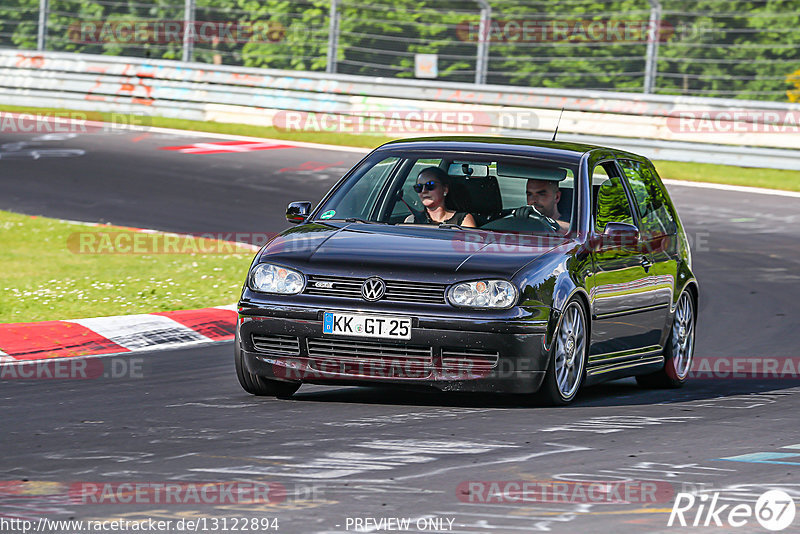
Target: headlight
[
  {"x": 275, "y": 279},
  {"x": 483, "y": 294}
]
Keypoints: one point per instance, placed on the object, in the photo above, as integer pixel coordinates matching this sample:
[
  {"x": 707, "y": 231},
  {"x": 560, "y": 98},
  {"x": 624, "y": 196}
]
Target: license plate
[{"x": 349, "y": 324}]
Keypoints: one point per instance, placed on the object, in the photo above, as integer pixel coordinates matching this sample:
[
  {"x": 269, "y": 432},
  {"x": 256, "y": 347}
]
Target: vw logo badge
[{"x": 373, "y": 289}]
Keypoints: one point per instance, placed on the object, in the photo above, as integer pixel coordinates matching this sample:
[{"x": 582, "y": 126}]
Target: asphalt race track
[
  {"x": 347, "y": 454},
  {"x": 127, "y": 179}
]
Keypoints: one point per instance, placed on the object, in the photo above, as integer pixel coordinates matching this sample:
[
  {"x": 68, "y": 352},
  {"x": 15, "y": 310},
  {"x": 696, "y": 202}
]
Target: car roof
[{"x": 571, "y": 152}]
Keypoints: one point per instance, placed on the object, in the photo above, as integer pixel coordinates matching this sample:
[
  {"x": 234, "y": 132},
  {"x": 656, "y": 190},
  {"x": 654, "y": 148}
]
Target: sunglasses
[{"x": 429, "y": 186}]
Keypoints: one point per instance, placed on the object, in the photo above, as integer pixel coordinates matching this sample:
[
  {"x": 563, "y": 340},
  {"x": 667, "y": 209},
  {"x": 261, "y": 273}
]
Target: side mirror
[
  {"x": 621, "y": 234},
  {"x": 297, "y": 212}
]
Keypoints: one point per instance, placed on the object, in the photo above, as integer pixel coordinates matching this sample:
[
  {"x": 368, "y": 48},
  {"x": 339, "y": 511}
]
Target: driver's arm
[{"x": 530, "y": 211}]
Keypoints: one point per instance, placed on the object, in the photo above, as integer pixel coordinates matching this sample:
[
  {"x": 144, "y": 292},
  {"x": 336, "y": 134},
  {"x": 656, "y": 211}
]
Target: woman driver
[{"x": 432, "y": 186}]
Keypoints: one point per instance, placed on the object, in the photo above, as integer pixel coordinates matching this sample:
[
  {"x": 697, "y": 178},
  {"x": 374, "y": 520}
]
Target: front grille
[
  {"x": 275, "y": 344},
  {"x": 396, "y": 291},
  {"x": 370, "y": 358},
  {"x": 414, "y": 292},
  {"x": 469, "y": 359}
]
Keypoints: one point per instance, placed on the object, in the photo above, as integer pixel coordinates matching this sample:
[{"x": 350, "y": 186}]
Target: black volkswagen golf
[{"x": 475, "y": 264}]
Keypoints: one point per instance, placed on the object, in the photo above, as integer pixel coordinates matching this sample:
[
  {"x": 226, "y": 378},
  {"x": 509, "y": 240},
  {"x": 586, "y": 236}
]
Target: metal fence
[{"x": 719, "y": 48}]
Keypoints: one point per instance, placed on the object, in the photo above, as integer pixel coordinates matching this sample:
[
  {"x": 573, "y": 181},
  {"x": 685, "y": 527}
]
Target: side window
[
  {"x": 651, "y": 203},
  {"x": 611, "y": 203}
]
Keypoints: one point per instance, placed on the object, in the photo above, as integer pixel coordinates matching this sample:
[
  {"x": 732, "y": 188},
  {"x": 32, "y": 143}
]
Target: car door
[
  {"x": 658, "y": 233},
  {"x": 620, "y": 287}
]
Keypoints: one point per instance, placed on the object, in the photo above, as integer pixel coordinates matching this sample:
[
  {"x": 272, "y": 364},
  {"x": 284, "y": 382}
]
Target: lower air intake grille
[
  {"x": 469, "y": 359},
  {"x": 274, "y": 344},
  {"x": 370, "y": 358}
]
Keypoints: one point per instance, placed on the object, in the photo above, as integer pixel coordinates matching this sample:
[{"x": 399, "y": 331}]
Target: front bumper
[{"x": 477, "y": 354}]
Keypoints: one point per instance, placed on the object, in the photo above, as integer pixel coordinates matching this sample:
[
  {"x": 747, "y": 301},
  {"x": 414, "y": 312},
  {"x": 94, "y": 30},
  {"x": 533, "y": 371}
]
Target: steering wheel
[{"x": 530, "y": 216}]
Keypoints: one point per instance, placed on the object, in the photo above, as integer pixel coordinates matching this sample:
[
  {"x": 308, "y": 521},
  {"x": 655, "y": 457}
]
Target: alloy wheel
[
  {"x": 683, "y": 337},
  {"x": 570, "y": 349}
]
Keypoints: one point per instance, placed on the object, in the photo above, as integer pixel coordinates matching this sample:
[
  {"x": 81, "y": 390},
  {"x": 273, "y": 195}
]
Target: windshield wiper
[
  {"x": 456, "y": 226},
  {"x": 356, "y": 219}
]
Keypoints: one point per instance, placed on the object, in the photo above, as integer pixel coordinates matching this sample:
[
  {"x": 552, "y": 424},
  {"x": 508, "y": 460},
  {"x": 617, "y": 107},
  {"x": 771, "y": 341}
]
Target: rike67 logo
[{"x": 774, "y": 510}]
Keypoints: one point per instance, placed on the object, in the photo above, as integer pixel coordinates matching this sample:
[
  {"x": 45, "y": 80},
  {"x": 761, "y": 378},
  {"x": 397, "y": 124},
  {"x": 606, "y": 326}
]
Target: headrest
[
  {"x": 483, "y": 193},
  {"x": 531, "y": 173}
]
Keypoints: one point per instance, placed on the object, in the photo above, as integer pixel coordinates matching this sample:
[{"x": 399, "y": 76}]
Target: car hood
[{"x": 358, "y": 249}]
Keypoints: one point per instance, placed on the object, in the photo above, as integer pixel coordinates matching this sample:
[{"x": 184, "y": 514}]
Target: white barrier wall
[{"x": 750, "y": 133}]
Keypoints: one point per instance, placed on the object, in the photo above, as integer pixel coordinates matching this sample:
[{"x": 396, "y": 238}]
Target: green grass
[
  {"x": 698, "y": 172},
  {"x": 725, "y": 174},
  {"x": 45, "y": 274}
]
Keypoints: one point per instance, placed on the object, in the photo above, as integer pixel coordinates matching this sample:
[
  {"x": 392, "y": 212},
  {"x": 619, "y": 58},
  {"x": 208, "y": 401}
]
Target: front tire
[
  {"x": 679, "y": 351},
  {"x": 258, "y": 385},
  {"x": 566, "y": 370}
]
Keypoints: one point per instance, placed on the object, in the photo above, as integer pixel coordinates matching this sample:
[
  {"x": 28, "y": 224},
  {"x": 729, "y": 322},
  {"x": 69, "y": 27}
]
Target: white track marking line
[
  {"x": 736, "y": 188},
  {"x": 298, "y": 144}
]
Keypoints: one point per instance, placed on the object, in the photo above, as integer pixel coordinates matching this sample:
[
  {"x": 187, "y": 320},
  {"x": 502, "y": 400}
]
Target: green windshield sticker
[{"x": 328, "y": 214}]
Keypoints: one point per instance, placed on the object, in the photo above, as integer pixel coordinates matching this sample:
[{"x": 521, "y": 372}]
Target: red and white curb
[
  {"x": 223, "y": 147},
  {"x": 118, "y": 334},
  {"x": 115, "y": 335}
]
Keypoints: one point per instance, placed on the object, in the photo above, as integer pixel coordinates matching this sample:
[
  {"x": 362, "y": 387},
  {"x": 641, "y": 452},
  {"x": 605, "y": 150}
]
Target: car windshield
[{"x": 493, "y": 189}]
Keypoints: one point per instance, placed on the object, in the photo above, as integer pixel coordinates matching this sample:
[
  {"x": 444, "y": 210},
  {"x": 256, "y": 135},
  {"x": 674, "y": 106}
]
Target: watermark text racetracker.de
[
  {"x": 745, "y": 367},
  {"x": 472, "y": 241},
  {"x": 74, "y": 369},
  {"x": 297, "y": 368},
  {"x": 737, "y": 121},
  {"x": 527, "y": 30},
  {"x": 165, "y": 493},
  {"x": 406, "y": 122},
  {"x": 72, "y": 122},
  {"x": 176, "y": 493},
  {"x": 151, "y": 31},
  {"x": 525, "y": 492},
  {"x": 92, "y": 242}
]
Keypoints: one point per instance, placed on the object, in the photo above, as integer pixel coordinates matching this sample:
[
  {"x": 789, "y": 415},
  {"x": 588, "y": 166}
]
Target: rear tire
[
  {"x": 566, "y": 370},
  {"x": 258, "y": 385},
  {"x": 679, "y": 351}
]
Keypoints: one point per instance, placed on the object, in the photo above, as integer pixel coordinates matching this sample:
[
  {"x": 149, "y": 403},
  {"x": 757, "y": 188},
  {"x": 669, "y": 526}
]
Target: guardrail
[{"x": 736, "y": 132}]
